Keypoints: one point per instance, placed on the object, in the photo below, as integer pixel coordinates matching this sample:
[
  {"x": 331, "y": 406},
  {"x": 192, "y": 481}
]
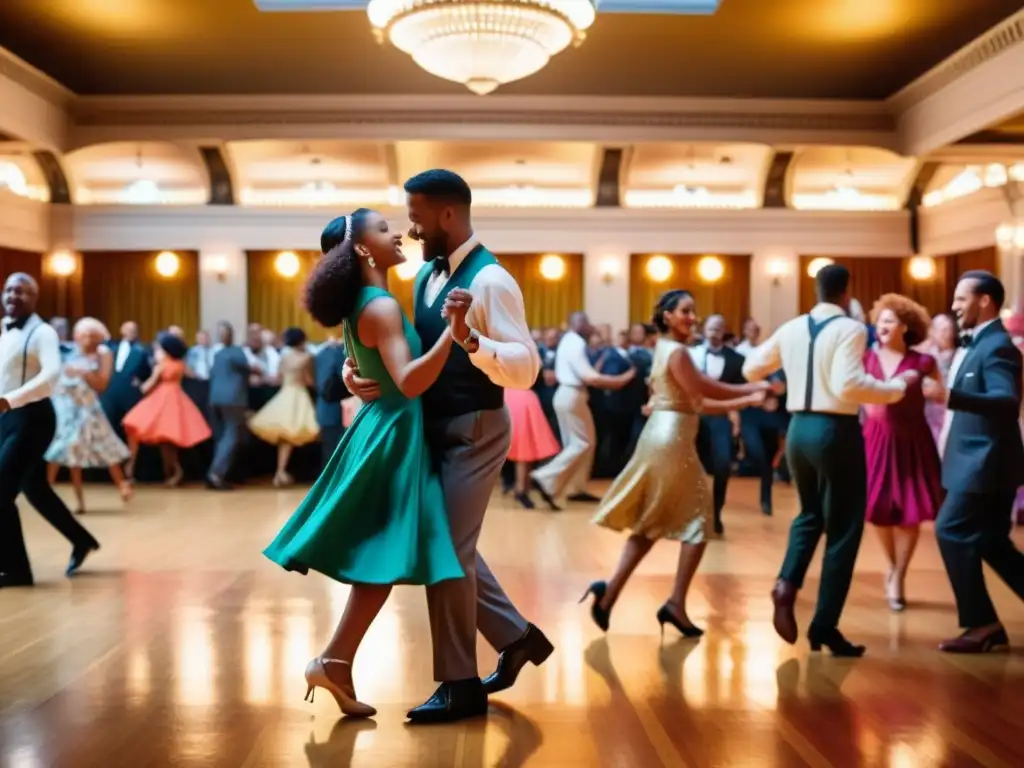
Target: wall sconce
[
  {"x": 62, "y": 264},
  {"x": 167, "y": 264},
  {"x": 816, "y": 264},
  {"x": 287, "y": 264},
  {"x": 218, "y": 266},
  {"x": 552, "y": 267},
  {"x": 710, "y": 269},
  {"x": 659, "y": 269},
  {"x": 776, "y": 269},
  {"x": 922, "y": 268},
  {"x": 608, "y": 269}
]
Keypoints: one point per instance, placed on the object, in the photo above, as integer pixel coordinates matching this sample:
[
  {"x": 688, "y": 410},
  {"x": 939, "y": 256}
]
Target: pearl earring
[{"x": 371, "y": 262}]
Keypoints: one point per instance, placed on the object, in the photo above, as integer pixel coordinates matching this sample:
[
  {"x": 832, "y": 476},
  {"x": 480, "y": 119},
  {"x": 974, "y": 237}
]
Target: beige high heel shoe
[{"x": 316, "y": 677}]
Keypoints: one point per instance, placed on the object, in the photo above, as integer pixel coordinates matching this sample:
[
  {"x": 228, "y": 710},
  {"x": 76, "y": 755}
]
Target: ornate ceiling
[{"x": 852, "y": 49}]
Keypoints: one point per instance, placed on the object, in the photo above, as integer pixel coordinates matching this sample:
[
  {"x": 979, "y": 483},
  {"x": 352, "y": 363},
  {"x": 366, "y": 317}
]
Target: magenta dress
[{"x": 904, "y": 473}]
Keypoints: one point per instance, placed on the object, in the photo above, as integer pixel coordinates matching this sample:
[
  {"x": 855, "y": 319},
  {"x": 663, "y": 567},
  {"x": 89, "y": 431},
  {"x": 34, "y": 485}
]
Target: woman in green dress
[{"x": 376, "y": 515}]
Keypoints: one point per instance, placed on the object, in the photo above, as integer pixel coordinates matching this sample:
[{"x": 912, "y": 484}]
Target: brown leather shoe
[
  {"x": 784, "y": 619},
  {"x": 996, "y": 640}
]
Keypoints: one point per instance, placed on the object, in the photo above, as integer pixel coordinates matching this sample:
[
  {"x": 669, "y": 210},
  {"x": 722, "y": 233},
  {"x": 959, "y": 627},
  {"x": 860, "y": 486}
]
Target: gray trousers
[
  {"x": 469, "y": 450},
  {"x": 228, "y": 424}
]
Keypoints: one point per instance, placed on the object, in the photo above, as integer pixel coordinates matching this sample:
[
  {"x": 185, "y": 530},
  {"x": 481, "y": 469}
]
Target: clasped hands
[{"x": 456, "y": 306}]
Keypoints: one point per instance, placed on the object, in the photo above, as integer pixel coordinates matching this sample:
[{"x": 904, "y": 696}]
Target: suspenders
[
  {"x": 24, "y": 353},
  {"x": 813, "y": 329}
]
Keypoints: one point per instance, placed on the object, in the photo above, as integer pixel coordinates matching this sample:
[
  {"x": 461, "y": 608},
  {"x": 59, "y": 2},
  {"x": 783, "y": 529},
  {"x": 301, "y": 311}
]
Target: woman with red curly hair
[{"x": 904, "y": 473}]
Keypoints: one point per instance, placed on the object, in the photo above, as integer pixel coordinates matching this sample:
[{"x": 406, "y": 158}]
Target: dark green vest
[{"x": 462, "y": 387}]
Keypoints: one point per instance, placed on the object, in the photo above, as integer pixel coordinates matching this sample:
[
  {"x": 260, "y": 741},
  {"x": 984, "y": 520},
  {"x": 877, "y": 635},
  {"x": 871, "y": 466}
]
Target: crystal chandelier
[{"x": 481, "y": 43}]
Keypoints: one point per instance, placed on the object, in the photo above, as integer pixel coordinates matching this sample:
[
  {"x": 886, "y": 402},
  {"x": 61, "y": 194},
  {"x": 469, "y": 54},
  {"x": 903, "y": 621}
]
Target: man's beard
[{"x": 435, "y": 247}]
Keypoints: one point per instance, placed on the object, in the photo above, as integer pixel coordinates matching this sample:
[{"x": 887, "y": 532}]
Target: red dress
[
  {"x": 167, "y": 414},
  {"x": 532, "y": 438},
  {"x": 904, "y": 472}
]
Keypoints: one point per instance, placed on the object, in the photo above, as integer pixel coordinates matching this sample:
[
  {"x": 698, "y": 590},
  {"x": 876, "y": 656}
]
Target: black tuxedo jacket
[
  {"x": 123, "y": 391},
  {"x": 732, "y": 373},
  {"x": 983, "y": 452}
]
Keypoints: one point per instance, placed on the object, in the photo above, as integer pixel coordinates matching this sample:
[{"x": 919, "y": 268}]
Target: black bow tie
[
  {"x": 442, "y": 265},
  {"x": 15, "y": 322},
  {"x": 965, "y": 340},
  {"x": 720, "y": 352}
]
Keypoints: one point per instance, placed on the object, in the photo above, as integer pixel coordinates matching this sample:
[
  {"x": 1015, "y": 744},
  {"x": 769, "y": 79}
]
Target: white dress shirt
[
  {"x": 572, "y": 366},
  {"x": 745, "y": 347},
  {"x": 28, "y": 371},
  {"x": 268, "y": 359},
  {"x": 713, "y": 366},
  {"x": 124, "y": 348},
  {"x": 507, "y": 353},
  {"x": 200, "y": 361},
  {"x": 841, "y": 385}
]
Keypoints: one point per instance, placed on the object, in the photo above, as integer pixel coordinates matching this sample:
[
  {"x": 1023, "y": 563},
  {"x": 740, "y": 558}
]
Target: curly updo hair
[
  {"x": 331, "y": 290},
  {"x": 293, "y": 337},
  {"x": 908, "y": 312},
  {"x": 668, "y": 303},
  {"x": 175, "y": 348}
]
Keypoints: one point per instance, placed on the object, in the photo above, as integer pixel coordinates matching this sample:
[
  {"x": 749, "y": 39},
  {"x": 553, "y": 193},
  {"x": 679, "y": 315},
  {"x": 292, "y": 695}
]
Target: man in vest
[
  {"x": 822, "y": 356},
  {"x": 468, "y": 430}
]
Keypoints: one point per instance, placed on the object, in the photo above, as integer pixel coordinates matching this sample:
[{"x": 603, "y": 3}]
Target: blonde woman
[{"x": 84, "y": 438}]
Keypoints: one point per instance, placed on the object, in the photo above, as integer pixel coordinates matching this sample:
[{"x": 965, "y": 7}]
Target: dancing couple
[{"x": 403, "y": 498}]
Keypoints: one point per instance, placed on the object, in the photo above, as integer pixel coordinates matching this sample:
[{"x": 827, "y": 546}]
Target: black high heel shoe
[
  {"x": 597, "y": 613},
  {"x": 833, "y": 640},
  {"x": 665, "y": 616}
]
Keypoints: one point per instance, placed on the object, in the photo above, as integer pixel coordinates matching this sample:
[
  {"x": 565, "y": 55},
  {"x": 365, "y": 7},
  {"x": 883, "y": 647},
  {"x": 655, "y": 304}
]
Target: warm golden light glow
[
  {"x": 413, "y": 252},
  {"x": 217, "y": 264},
  {"x": 62, "y": 264},
  {"x": 552, "y": 267},
  {"x": 922, "y": 268},
  {"x": 710, "y": 269},
  {"x": 776, "y": 268},
  {"x": 167, "y": 264},
  {"x": 194, "y": 657},
  {"x": 609, "y": 269},
  {"x": 259, "y": 658},
  {"x": 287, "y": 264},
  {"x": 658, "y": 268},
  {"x": 816, "y": 264}
]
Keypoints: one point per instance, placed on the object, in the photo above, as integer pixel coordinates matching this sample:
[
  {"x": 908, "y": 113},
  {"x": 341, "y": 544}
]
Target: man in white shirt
[
  {"x": 200, "y": 357},
  {"x": 132, "y": 366},
  {"x": 569, "y": 472},
  {"x": 467, "y": 428},
  {"x": 263, "y": 358},
  {"x": 822, "y": 356},
  {"x": 29, "y": 368}
]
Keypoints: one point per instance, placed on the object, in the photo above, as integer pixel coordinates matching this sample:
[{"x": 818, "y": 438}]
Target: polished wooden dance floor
[{"x": 180, "y": 645}]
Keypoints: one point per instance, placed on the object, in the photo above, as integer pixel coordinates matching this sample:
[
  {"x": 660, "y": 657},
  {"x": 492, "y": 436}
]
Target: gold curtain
[
  {"x": 402, "y": 291},
  {"x": 548, "y": 302},
  {"x": 119, "y": 286},
  {"x": 275, "y": 302},
  {"x": 728, "y": 296},
  {"x": 869, "y": 279}
]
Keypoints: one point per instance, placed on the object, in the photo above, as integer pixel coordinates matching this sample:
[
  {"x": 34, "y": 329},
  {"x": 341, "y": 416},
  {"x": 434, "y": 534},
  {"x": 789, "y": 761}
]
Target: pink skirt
[{"x": 532, "y": 438}]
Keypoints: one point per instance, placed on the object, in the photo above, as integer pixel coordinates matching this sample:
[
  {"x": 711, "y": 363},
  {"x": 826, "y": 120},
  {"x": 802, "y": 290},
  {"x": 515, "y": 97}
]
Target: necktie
[{"x": 441, "y": 265}]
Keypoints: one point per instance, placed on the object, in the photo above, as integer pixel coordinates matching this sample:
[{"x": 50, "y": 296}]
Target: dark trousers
[
  {"x": 714, "y": 446},
  {"x": 25, "y": 434},
  {"x": 228, "y": 425},
  {"x": 329, "y": 439},
  {"x": 826, "y": 456},
  {"x": 973, "y": 528},
  {"x": 761, "y": 440}
]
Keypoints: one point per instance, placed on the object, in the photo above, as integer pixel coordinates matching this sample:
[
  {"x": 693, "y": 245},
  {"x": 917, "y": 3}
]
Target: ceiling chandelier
[{"x": 481, "y": 43}]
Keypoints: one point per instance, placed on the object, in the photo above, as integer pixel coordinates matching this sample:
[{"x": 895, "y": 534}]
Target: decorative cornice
[
  {"x": 997, "y": 40},
  {"x": 24, "y": 74},
  {"x": 410, "y": 115}
]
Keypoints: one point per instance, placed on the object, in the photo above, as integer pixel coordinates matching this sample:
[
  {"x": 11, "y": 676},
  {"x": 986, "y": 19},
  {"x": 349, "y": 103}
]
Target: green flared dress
[{"x": 376, "y": 514}]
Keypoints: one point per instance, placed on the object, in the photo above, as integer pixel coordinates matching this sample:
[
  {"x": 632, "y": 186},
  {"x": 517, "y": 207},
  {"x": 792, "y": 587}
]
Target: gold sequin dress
[{"x": 663, "y": 492}]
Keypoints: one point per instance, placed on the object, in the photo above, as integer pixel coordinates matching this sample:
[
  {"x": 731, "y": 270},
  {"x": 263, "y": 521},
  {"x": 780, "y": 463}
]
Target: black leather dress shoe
[
  {"x": 452, "y": 701},
  {"x": 78, "y": 555},
  {"x": 16, "y": 580},
  {"x": 533, "y": 647},
  {"x": 584, "y": 498}
]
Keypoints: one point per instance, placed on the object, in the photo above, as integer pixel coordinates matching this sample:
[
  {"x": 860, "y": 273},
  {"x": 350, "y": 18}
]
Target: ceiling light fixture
[{"x": 481, "y": 43}]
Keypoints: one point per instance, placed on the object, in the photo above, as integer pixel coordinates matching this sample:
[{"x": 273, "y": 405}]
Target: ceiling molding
[
  {"x": 56, "y": 180},
  {"x": 997, "y": 40},
  {"x": 24, "y": 74},
  {"x": 538, "y": 118},
  {"x": 925, "y": 173},
  {"x": 222, "y": 191},
  {"x": 775, "y": 180}
]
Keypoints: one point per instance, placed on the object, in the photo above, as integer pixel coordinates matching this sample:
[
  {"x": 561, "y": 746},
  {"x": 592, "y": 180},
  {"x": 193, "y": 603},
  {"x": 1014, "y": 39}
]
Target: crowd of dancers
[{"x": 447, "y": 403}]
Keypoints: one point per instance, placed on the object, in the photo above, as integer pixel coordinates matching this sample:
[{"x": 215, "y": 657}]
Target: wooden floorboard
[{"x": 180, "y": 645}]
